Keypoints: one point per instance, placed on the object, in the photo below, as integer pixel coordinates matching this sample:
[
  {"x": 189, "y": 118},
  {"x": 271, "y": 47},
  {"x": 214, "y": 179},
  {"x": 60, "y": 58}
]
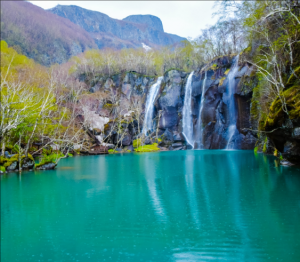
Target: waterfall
[
  {"x": 199, "y": 126},
  {"x": 231, "y": 102},
  {"x": 148, "y": 125},
  {"x": 187, "y": 119}
]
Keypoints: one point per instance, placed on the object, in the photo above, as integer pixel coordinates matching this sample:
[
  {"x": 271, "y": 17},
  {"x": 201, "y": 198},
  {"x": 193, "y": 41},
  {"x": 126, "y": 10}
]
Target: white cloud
[{"x": 184, "y": 18}]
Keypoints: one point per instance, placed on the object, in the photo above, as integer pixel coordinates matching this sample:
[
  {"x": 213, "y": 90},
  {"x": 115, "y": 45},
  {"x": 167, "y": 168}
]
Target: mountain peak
[{"x": 150, "y": 20}]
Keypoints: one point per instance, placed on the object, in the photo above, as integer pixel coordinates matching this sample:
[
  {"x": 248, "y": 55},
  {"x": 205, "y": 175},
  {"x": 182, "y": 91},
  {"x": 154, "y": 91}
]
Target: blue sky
[{"x": 184, "y": 18}]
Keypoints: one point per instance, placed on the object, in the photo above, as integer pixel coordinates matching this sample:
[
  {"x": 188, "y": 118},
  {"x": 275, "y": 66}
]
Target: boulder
[
  {"x": 148, "y": 141},
  {"x": 167, "y": 136},
  {"x": 178, "y": 148},
  {"x": 126, "y": 140},
  {"x": 177, "y": 137},
  {"x": 178, "y": 144},
  {"x": 296, "y": 133},
  {"x": 12, "y": 167},
  {"x": 291, "y": 152},
  {"x": 27, "y": 163},
  {"x": 47, "y": 166}
]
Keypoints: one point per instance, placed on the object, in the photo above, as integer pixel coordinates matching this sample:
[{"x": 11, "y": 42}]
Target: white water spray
[
  {"x": 231, "y": 102},
  {"x": 200, "y": 129},
  {"x": 187, "y": 118},
  {"x": 148, "y": 125}
]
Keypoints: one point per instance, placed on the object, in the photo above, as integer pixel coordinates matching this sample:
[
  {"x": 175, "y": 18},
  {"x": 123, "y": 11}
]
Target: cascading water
[
  {"x": 148, "y": 125},
  {"x": 231, "y": 102},
  {"x": 187, "y": 119},
  {"x": 199, "y": 126}
]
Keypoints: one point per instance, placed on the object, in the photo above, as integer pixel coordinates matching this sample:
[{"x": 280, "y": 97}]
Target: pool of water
[{"x": 169, "y": 206}]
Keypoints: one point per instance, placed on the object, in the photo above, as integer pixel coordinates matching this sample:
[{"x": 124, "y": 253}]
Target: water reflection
[{"x": 172, "y": 206}]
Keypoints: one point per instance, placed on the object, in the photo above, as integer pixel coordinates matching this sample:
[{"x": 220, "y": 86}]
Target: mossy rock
[
  {"x": 294, "y": 79},
  {"x": 276, "y": 114}
]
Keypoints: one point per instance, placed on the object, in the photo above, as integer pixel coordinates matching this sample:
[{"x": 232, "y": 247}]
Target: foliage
[
  {"x": 147, "y": 148},
  {"x": 52, "y": 158},
  {"x": 137, "y": 142}
]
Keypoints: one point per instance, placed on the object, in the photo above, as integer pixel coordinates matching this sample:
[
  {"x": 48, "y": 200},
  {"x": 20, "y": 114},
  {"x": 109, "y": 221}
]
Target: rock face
[
  {"x": 168, "y": 105},
  {"x": 284, "y": 130},
  {"x": 130, "y": 32}
]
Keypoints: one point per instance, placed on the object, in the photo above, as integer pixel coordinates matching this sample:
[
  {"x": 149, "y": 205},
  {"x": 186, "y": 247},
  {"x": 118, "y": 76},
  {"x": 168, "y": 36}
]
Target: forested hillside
[{"x": 40, "y": 35}]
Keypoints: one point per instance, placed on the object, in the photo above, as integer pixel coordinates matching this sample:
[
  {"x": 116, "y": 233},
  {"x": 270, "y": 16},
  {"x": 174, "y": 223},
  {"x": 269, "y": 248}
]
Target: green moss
[
  {"x": 2, "y": 168},
  {"x": 214, "y": 67},
  {"x": 47, "y": 159},
  {"x": 294, "y": 78},
  {"x": 255, "y": 150},
  {"x": 147, "y": 148},
  {"x": 108, "y": 106},
  {"x": 265, "y": 145},
  {"x": 177, "y": 69},
  {"x": 136, "y": 143},
  {"x": 112, "y": 151},
  {"x": 227, "y": 71},
  {"x": 222, "y": 81},
  {"x": 276, "y": 114},
  {"x": 70, "y": 155}
]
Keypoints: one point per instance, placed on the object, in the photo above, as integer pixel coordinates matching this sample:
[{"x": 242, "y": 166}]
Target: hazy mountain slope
[
  {"x": 109, "y": 32},
  {"x": 150, "y": 20},
  {"x": 40, "y": 35}
]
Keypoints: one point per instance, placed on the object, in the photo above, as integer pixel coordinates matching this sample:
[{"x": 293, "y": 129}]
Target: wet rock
[
  {"x": 169, "y": 118},
  {"x": 163, "y": 148},
  {"x": 12, "y": 167},
  {"x": 130, "y": 148},
  {"x": 6, "y": 154},
  {"x": 171, "y": 148},
  {"x": 286, "y": 163},
  {"x": 178, "y": 148},
  {"x": 291, "y": 152},
  {"x": 27, "y": 164},
  {"x": 167, "y": 136},
  {"x": 178, "y": 144},
  {"x": 126, "y": 140},
  {"x": 148, "y": 141},
  {"x": 177, "y": 137},
  {"x": 296, "y": 133},
  {"x": 47, "y": 166}
]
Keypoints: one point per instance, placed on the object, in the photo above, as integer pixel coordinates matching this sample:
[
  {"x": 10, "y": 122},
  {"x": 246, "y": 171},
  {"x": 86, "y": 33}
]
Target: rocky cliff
[
  {"x": 168, "y": 104},
  {"x": 130, "y": 32}
]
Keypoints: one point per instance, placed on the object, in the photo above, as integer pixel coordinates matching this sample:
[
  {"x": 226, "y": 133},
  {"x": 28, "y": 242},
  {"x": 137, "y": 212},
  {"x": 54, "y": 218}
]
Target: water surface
[{"x": 170, "y": 206}]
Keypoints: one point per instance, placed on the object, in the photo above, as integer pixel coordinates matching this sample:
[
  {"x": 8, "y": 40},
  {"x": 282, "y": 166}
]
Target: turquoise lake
[{"x": 200, "y": 205}]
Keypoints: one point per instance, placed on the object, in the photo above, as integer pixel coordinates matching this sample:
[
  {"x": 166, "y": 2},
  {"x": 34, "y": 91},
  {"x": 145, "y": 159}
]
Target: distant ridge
[
  {"x": 132, "y": 31},
  {"x": 45, "y": 37},
  {"x": 54, "y": 35}
]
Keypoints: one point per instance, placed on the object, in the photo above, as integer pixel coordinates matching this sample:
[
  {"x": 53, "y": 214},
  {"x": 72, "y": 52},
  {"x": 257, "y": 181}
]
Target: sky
[{"x": 183, "y": 18}]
